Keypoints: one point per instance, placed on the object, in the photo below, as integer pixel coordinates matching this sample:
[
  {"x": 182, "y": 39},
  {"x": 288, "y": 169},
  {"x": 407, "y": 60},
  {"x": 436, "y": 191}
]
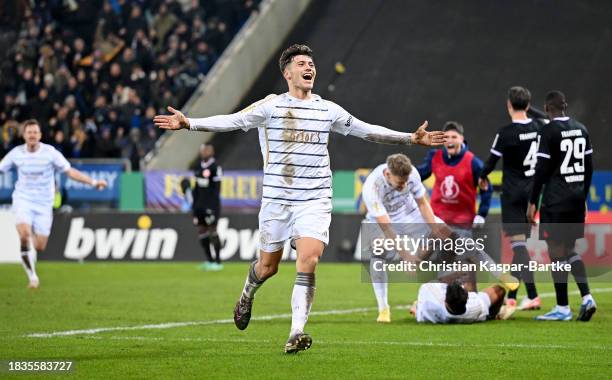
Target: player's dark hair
[
  {"x": 453, "y": 126},
  {"x": 29, "y": 122},
  {"x": 555, "y": 101},
  {"x": 519, "y": 98},
  {"x": 399, "y": 164},
  {"x": 288, "y": 54},
  {"x": 456, "y": 298}
]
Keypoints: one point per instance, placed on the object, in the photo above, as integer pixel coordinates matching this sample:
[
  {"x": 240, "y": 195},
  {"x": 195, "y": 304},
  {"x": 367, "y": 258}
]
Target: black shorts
[
  {"x": 565, "y": 227},
  {"x": 205, "y": 216},
  {"x": 514, "y": 215}
]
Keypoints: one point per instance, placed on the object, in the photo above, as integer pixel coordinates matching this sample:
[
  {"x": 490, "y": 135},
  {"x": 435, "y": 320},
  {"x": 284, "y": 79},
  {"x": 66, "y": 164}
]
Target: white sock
[
  {"x": 32, "y": 255},
  {"x": 301, "y": 301},
  {"x": 27, "y": 266},
  {"x": 379, "y": 283},
  {"x": 564, "y": 309}
]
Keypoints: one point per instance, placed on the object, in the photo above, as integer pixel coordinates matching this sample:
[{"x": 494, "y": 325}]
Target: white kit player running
[
  {"x": 36, "y": 164},
  {"x": 294, "y": 131},
  {"x": 396, "y": 201}
]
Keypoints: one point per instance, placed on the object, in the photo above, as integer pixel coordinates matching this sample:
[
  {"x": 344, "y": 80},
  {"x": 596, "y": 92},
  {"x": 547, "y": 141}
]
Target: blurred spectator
[{"x": 88, "y": 74}]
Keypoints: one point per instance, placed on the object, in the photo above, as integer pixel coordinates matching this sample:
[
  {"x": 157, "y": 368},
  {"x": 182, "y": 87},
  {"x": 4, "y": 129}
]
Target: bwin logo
[{"x": 142, "y": 243}]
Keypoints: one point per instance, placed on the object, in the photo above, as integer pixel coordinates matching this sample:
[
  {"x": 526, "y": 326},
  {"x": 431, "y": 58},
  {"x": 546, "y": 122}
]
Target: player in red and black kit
[
  {"x": 206, "y": 204},
  {"x": 517, "y": 144},
  {"x": 565, "y": 168},
  {"x": 453, "y": 197}
]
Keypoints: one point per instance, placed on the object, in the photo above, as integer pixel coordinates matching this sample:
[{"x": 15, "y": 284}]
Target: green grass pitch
[{"x": 347, "y": 342}]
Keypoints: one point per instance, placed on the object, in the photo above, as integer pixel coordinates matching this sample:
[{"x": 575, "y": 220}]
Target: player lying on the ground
[
  {"x": 450, "y": 303},
  {"x": 294, "y": 130},
  {"x": 516, "y": 144},
  {"x": 36, "y": 164},
  {"x": 564, "y": 169},
  {"x": 397, "y": 204}
]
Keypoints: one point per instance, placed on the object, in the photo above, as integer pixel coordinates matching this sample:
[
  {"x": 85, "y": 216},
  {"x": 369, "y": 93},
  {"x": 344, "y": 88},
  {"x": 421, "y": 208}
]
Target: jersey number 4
[
  {"x": 531, "y": 158},
  {"x": 573, "y": 148}
]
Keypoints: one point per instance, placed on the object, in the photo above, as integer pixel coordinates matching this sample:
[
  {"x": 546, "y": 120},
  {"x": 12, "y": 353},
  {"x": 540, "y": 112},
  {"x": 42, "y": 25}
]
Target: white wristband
[{"x": 94, "y": 182}]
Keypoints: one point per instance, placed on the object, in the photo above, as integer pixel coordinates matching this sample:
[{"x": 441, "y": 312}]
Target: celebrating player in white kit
[
  {"x": 36, "y": 164},
  {"x": 294, "y": 130}
]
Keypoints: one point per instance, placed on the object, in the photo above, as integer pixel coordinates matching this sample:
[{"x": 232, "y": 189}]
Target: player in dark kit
[
  {"x": 517, "y": 144},
  {"x": 565, "y": 167},
  {"x": 206, "y": 204}
]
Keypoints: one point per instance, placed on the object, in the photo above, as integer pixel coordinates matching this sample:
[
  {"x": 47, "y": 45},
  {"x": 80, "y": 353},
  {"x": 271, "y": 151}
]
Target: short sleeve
[
  {"x": 60, "y": 162},
  {"x": 546, "y": 137},
  {"x": 499, "y": 144},
  {"x": 415, "y": 185},
  {"x": 372, "y": 196},
  {"x": 589, "y": 147}
]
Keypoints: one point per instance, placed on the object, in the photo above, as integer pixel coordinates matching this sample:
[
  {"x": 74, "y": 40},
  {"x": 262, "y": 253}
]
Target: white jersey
[
  {"x": 380, "y": 198},
  {"x": 35, "y": 172},
  {"x": 431, "y": 308},
  {"x": 293, "y": 135}
]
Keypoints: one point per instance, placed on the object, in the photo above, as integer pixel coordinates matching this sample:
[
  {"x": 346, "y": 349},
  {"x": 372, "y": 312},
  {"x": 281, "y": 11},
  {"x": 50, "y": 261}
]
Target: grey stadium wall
[{"x": 409, "y": 61}]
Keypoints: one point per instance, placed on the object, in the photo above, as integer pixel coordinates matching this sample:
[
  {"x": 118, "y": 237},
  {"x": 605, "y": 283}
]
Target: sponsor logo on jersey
[{"x": 449, "y": 189}]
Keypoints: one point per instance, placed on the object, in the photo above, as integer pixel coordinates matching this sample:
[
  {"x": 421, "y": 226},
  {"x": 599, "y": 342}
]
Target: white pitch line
[
  {"x": 170, "y": 325},
  {"x": 360, "y": 343}
]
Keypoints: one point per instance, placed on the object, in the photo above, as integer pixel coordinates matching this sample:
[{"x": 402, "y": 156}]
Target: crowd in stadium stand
[{"x": 94, "y": 72}]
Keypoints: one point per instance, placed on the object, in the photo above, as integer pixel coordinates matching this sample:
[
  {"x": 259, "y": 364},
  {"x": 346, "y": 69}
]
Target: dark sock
[
  {"x": 205, "y": 243},
  {"x": 579, "y": 273},
  {"x": 216, "y": 243},
  {"x": 560, "y": 280},
  {"x": 521, "y": 256}
]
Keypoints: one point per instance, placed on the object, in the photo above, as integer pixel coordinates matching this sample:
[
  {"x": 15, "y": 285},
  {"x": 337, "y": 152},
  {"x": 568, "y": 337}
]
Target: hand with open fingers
[
  {"x": 176, "y": 120},
  {"x": 423, "y": 137},
  {"x": 483, "y": 184}
]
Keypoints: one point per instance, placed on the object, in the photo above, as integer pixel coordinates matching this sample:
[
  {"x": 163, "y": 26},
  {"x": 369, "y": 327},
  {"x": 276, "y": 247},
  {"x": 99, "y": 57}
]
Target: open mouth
[
  {"x": 450, "y": 146},
  {"x": 307, "y": 76}
]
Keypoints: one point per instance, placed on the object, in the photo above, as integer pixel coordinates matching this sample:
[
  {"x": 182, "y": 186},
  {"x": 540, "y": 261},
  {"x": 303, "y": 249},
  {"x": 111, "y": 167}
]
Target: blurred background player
[
  {"x": 294, "y": 129},
  {"x": 34, "y": 193},
  {"x": 453, "y": 199},
  {"x": 517, "y": 144},
  {"x": 452, "y": 303},
  {"x": 396, "y": 199},
  {"x": 205, "y": 201},
  {"x": 565, "y": 169}
]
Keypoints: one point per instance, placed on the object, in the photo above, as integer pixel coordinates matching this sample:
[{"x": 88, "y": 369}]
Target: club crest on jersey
[
  {"x": 449, "y": 189},
  {"x": 206, "y": 173}
]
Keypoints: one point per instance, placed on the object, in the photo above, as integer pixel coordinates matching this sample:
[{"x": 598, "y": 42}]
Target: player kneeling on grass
[
  {"x": 34, "y": 193},
  {"x": 451, "y": 303}
]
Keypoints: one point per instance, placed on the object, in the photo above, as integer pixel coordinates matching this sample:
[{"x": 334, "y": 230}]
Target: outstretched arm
[
  {"x": 220, "y": 123},
  {"x": 84, "y": 178},
  {"x": 382, "y": 135}
]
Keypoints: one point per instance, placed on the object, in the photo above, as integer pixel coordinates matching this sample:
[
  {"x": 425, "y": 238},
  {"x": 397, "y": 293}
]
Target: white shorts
[
  {"x": 280, "y": 222},
  {"x": 40, "y": 217}
]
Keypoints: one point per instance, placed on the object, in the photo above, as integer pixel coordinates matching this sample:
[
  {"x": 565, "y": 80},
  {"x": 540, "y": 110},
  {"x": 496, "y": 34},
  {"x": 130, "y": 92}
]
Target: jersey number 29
[{"x": 573, "y": 148}]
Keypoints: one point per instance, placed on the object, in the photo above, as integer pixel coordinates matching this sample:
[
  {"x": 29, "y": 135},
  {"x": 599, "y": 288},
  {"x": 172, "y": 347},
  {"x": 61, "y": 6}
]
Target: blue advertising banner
[
  {"x": 80, "y": 192},
  {"x": 239, "y": 189},
  {"x": 600, "y": 195},
  {"x": 76, "y": 191}
]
